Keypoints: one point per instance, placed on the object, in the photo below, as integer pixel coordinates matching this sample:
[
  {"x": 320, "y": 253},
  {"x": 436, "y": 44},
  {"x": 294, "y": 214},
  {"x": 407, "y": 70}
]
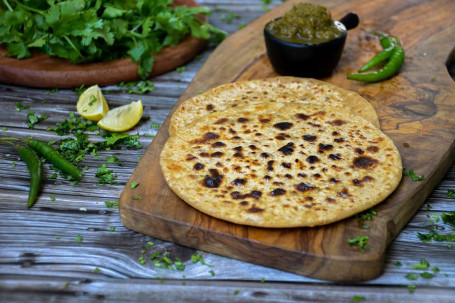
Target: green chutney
[{"x": 306, "y": 23}]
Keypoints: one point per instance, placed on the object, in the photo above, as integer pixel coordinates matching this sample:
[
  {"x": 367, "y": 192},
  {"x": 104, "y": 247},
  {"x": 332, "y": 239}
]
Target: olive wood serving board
[
  {"x": 49, "y": 72},
  {"x": 416, "y": 109}
]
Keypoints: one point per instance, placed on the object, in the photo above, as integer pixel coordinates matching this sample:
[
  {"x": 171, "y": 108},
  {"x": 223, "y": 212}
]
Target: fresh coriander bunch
[{"x": 100, "y": 30}]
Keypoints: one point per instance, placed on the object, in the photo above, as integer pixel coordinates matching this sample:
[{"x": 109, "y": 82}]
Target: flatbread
[
  {"x": 277, "y": 89},
  {"x": 281, "y": 165}
]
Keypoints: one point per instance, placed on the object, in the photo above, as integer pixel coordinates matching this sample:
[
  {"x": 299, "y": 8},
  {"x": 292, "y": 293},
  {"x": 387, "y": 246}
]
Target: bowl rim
[{"x": 269, "y": 35}]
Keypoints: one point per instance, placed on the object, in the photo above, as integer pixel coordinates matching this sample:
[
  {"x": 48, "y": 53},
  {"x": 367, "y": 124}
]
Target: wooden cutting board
[
  {"x": 416, "y": 109},
  {"x": 43, "y": 71}
]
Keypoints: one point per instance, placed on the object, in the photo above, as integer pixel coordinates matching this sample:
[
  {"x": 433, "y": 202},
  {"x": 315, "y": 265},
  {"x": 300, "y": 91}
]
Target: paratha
[
  {"x": 281, "y": 165},
  {"x": 277, "y": 89}
]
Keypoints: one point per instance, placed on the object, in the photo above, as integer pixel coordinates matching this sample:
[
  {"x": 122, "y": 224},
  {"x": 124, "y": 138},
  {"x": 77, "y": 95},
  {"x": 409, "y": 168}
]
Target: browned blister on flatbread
[
  {"x": 281, "y": 165},
  {"x": 277, "y": 89}
]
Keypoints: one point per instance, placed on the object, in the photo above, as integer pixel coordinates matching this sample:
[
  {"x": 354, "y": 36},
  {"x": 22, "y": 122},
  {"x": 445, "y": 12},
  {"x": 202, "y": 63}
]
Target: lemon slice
[
  {"x": 92, "y": 104},
  {"x": 122, "y": 118}
]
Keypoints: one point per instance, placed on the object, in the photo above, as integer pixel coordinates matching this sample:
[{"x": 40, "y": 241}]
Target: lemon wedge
[
  {"x": 122, "y": 118},
  {"x": 92, "y": 104}
]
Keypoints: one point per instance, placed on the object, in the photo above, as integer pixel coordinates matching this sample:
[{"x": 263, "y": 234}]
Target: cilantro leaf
[
  {"x": 86, "y": 31},
  {"x": 412, "y": 175},
  {"x": 360, "y": 241}
]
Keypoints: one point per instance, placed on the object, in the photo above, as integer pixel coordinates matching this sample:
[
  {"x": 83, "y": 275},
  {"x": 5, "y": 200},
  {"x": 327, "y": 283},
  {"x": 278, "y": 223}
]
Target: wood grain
[
  {"x": 415, "y": 110},
  {"x": 49, "y": 72}
]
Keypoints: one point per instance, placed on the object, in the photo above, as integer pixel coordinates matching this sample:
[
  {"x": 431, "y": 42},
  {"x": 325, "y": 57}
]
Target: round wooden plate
[{"x": 49, "y": 72}]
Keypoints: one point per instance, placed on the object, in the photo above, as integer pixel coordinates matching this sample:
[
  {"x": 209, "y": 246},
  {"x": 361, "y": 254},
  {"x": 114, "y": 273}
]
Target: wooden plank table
[{"x": 40, "y": 259}]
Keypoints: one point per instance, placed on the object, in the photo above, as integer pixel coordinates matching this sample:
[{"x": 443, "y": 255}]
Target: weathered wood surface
[
  {"x": 40, "y": 261},
  {"x": 414, "y": 110}
]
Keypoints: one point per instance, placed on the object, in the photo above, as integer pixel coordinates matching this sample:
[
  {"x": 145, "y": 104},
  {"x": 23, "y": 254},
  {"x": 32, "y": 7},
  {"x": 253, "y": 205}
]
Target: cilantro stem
[
  {"x": 7, "y": 5},
  {"x": 29, "y": 8},
  {"x": 72, "y": 45}
]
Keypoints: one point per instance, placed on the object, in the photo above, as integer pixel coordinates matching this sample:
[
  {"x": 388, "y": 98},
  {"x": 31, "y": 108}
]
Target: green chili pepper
[
  {"x": 388, "y": 47},
  {"x": 390, "y": 68},
  {"x": 35, "y": 168},
  {"x": 54, "y": 157}
]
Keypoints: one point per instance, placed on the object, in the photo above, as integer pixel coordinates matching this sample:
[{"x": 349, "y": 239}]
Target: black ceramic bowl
[{"x": 308, "y": 60}]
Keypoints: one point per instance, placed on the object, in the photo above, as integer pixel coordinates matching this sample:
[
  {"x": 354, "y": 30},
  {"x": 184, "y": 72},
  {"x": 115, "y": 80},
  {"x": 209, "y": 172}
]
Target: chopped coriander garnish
[
  {"x": 137, "y": 198},
  {"x": 358, "y": 298},
  {"x": 422, "y": 265},
  {"x": 412, "y": 175},
  {"x": 360, "y": 241},
  {"x": 141, "y": 260},
  {"x": 448, "y": 217},
  {"x": 138, "y": 87},
  {"x": 181, "y": 69},
  {"x": 53, "y": 90},
  {"x": 154, "y": 125},
  {"x": 241, "y": 26},
  {"x": 111, "y": 204},
  {"x": 134, "y": 184},
  {"x": 179, "y": 265},
  {"x": 411, "y": 288},
  {"x": 160, "y": 279},
  {"x": 398, "y": 264},
  {"x": 367, "y": 215},
  {"x": 150, "y": 243},
  {"x": 92, "y": 100},
  {"x": 435, "y": 236},
  {"x": 231, "y": 17},
  {"x": 20, "y": 107},
  {"x": 198, "y": 258},
  {"x": 96, "y": 270},
  {"x": 79, "y": 238},
  {"x": 32, "y": 119},
  {"x": 451, "y": 194},
  {"x": 13, "y": 164},
  {"x": 236, "y": 292},
  {"x": 411, "y": 276},
  {"x": 4, "y": 128},
  {"x": 211, "y": 272},
  {"x": 427, "y": 275},
  {"x": 114, "y": 160},
  {"x": 80, "y": 90},
  {"x": 105, "y": 175},
  {"x": 112, "y": 228},
  {"x": 52, "y": 197}
]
